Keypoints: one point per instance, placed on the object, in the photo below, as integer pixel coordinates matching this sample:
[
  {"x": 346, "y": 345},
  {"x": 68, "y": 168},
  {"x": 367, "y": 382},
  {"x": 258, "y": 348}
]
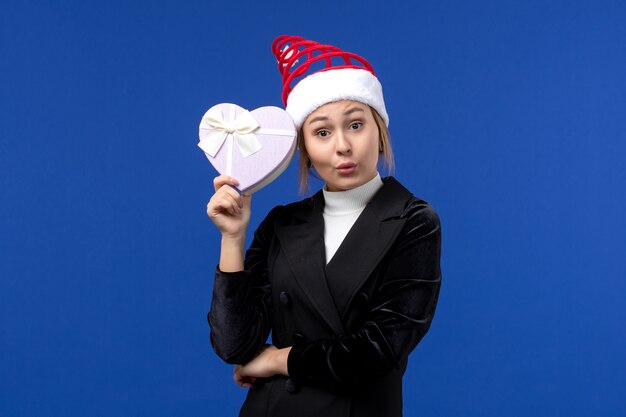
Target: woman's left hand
[{"x": 268, "y": 362}]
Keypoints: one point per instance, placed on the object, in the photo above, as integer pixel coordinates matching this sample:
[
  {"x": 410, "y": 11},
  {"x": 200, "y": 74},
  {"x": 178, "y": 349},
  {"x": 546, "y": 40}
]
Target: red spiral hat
[{"x": 314, "y": 74}]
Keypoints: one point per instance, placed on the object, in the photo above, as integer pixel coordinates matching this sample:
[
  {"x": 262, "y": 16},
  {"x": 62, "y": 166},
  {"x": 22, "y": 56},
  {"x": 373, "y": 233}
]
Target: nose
[{"x": 342, "y": 144}]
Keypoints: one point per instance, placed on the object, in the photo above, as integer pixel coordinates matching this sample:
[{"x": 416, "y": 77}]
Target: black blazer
[{"x": 351, "y": 323}]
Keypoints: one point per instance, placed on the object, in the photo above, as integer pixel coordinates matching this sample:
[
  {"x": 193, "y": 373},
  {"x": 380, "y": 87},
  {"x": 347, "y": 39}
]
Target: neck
[{"x": 353, "y": 199}]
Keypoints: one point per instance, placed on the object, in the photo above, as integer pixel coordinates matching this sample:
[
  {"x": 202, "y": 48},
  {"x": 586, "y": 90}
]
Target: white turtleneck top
[{"x": 341, "y": 209}]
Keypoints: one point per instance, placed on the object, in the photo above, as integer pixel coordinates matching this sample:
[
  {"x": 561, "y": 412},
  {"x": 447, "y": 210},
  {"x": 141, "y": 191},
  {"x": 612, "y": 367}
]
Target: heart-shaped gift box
[{"x": 253, "y": 147}]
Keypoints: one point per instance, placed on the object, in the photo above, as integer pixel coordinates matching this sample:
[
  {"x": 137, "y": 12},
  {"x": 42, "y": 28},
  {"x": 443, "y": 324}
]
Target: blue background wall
[{"x": 508, "y": 117}]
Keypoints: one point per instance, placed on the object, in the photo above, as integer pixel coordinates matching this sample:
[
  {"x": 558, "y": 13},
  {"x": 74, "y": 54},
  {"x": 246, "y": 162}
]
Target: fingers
[
  {"x": 225, "y": 199},
  {"x": 242, "y": 380},
  {"x": 245, "y": 199},
  {"x": 221, "y": 180}
]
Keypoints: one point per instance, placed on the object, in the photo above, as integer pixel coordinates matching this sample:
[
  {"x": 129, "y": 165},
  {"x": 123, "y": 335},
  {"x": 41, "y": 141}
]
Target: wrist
[
  {"x": 234, "y": 239},
  {"x": 280, "y": 361},
  {"x": 231, "y": 253}
]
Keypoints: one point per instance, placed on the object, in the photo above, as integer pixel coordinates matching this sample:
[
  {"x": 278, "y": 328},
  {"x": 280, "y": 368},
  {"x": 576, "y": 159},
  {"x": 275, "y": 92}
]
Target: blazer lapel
[
  {"x": 367, "y": 242},
  {"x": 303, "y": 245}
]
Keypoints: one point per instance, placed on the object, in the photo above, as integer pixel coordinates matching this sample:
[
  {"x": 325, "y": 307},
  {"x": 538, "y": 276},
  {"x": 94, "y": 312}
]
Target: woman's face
[{"x": 342, "y": 140}]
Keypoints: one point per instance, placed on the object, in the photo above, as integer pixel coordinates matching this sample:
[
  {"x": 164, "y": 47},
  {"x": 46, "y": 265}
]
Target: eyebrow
[
  {"x": 318, "y": 119},
  {"x": 346, "y": 113},
  {"x": 352, "y": 110}
]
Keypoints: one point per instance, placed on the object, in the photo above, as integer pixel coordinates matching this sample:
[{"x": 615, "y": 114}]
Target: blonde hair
[{"x": 384, "y": 149}]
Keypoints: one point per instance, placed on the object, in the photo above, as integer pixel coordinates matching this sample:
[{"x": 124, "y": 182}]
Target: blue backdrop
[{"x": 508, "y": 117}]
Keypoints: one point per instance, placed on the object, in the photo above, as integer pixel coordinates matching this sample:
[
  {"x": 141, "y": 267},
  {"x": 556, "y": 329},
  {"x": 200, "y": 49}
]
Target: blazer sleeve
[
  {"x": 241, "y": 309},
  {"x": 402, "y": 312}
]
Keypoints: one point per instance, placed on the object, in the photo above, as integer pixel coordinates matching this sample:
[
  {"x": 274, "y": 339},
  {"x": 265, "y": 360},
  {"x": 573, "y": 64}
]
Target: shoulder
[
  {"x": 416, "y": 211},
  {"x": 289, "y": 213},
  {"x": 394, "y": 200},
  {"x": 420, "y": 210},
  {"x": 295, "y": 207}
]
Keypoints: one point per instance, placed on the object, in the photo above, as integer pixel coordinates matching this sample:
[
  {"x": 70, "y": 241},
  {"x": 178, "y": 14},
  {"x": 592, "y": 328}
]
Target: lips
[{"x": 346, "y": 168}]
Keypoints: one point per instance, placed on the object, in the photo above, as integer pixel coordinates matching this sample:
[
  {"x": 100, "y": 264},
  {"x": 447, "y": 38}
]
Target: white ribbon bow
[{"x": 218, "y": 130}]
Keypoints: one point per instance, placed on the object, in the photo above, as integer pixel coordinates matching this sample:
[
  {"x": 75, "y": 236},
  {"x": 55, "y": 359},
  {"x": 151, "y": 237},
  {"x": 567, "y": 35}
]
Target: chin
[{"x": 344, "y": 184}]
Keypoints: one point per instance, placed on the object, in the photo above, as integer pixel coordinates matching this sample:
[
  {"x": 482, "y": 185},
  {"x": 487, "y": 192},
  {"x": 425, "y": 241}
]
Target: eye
[
  {"x": 355, "y": 125},
  {"x": 322, "y": 133}
]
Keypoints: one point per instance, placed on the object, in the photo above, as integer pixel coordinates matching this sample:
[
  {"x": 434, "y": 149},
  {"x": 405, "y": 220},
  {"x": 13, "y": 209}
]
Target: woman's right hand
[{"x": 228, "y": 209}]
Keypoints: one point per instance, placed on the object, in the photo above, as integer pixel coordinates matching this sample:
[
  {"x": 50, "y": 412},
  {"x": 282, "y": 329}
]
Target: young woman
[{"x": 347, "y": 280}]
